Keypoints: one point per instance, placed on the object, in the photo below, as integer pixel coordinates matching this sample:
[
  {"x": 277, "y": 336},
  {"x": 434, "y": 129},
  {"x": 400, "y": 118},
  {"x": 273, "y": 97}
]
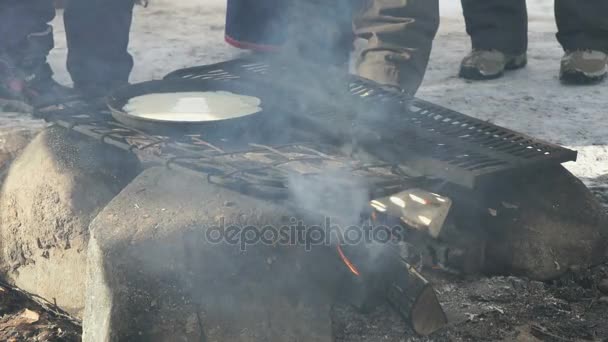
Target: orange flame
[{"x": 349, "y": 264}]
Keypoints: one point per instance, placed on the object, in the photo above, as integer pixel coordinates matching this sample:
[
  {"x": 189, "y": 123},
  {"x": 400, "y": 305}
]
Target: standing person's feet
[
  {"x": 489, "y": 64},
  {"x": 96, "y": 92},
  {"x": 22, "y": 91},
  {"x": 387, "y": 68},
  {"x": 583, "y": 67},
  {"x": 41, "y": 89}
]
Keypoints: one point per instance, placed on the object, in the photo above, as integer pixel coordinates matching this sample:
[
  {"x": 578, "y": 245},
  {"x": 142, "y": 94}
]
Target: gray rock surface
[
  {"x": 545, "y": 225},
  {"x": 51, "y": 192},
  {"x": 153, "y": 274},
  {"x": 603, "y": 286},
  {"x": 12, "y": 141}
]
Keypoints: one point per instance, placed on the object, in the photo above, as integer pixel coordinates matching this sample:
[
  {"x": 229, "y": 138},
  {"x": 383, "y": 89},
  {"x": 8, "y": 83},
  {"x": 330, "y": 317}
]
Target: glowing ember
[
  {"x": 378, "y": 206},
  {"x": 398, "y": 201},
  {"x": 347, "y": 262},
  {"x": 418, "y": 199},
  {"x": 374, "y": 216},
  {"x": 425, "y": 220}
]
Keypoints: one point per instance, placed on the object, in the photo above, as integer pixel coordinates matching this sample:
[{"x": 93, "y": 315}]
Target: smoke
[
  {"x": 314, "y": 31},
  {"x": 321, "y": 31},
  {"x": 335, "y": 195},
  {"x": 318, "y": 43}
]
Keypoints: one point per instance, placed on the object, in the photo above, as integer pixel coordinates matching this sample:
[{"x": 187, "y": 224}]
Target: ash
[
  {"x": 573, "y": 307},
  {"x": 599, "y": 187},
  {"x": 499, "y": 308},
  {"x": 26, "y": 317}
]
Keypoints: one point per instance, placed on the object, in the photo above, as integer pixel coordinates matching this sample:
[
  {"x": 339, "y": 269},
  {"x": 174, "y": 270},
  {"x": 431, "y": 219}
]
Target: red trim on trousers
[{"x": 250, "y": 46}]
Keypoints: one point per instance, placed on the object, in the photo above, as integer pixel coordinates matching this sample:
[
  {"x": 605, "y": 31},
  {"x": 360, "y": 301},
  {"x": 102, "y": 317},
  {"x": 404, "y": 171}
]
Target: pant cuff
[
  {"x": 584, "y": 41},
  {"x": 504, "y": 44}
]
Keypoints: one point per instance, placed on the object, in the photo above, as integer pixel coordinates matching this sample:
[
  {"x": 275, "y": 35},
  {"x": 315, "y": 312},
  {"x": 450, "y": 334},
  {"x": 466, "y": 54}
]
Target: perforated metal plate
[{"x": 436, "y": 141}]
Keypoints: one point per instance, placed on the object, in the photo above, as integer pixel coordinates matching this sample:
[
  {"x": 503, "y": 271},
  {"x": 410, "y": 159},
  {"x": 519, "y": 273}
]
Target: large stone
[
  {"x": 12, "y": 141},
  {"x": 545, "y": 225},
  {"x": 52, "y": 191},
  {"x": 155, "y": 275}
]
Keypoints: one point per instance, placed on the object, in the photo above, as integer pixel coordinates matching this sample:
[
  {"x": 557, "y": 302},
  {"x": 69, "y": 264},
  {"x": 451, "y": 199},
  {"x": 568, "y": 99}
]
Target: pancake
[{"x": 192, "y": 106}]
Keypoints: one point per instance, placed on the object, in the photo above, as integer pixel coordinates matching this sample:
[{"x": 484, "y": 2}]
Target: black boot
[
  {"x": 11, "y": 86},
  {"x": 26, "y": 79},
  {"x": 42, "y": 90},
  {"x": 23, "y": 91},
  {"x": 97, "y": 91}
]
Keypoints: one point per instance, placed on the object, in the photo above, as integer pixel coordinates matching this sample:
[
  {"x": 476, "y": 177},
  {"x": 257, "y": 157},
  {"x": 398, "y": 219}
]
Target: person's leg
[
  {"x": 499, "y": 37},
  {"x": 319, "y": 31},
  {"x": 398, "y": 36},
  {"x": 497, "y": 25},
  {"x": 583, "y": 33},
  {"x": 98, "y": 36},
  {"x": 582, "y": 25},
  {"x": 256, "y": 25},
  {"x": 26, "y": 79},
  {"x": 25, "y": 35}
]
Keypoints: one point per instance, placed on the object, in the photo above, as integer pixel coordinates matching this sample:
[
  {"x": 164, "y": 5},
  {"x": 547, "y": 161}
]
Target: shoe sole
[
  {"x": 474, "y": 74},
  {"x": 579, "y": 78},
  {"x": 8, "y": 105},
  {"x": 514, "y": 65},
  {"x": 471, "y": 73}
]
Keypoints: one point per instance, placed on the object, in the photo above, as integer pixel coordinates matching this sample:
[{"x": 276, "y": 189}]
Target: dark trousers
[
  {"x": 316, "y": 30},
  {"x": 258, "y": 24},
  {"x": 25, "y": 36},
  {"x": 403, "y": 27},
  {"x": 97, "y": 35},
  {"x": 322, "y": 30},
  {"x": 503, "y": 24}
]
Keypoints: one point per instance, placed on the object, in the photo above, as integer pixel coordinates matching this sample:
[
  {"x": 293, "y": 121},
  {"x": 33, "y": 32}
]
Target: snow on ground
[
  {"x": 174, "y": 34},
  {"x": 531, "y": 100}
]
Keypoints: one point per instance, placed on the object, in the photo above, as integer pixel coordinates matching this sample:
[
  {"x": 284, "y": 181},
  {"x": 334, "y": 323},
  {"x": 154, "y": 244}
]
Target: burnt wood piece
[
  {"x": 415, "y": 299},
  {"x": 384, "y": 275}
]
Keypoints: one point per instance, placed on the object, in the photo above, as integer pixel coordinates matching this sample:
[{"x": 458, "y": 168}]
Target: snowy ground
[
  {"x": 174, "y": 34},
  {"x": 531, "y": 100}
]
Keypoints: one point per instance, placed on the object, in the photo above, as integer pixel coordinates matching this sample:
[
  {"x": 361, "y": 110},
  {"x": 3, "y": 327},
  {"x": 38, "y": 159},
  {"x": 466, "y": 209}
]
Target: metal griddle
[
  {"x": 228, "y": 128},
  {"x": 435, "y": 141}
]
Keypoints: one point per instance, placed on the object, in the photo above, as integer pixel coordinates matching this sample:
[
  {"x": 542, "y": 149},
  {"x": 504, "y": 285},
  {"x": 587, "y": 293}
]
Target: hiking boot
[
  {"x": 43, "y": 90},
  {"x": 383, "y": 67},
  {"x": 489, "y": 64},
  {"x": 26, "y": 79},
  {"x": 22, "y": 92},
  {"x": 583, "y": 67}
]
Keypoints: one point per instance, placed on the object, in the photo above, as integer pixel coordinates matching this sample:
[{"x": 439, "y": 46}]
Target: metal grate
[
  {"x": 256, "y": 169},
  {"x": 435, "y": 141},
  {"x": 233, "y": 69}
]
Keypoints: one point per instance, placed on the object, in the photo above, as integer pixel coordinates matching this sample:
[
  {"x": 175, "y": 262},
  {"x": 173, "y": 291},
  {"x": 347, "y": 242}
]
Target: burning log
[
  {"x": 417, "y": 208},
  {"x": 414, "y": 298},
  {"x": 393, "y": 279},
  {"x": 381, "y": 271}
]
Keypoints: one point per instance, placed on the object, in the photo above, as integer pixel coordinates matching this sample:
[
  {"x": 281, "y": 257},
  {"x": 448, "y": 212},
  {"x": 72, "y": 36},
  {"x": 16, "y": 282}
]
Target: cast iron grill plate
[
  {"x": 260, "y": 170},
  {"x": 437, "y": 142}
]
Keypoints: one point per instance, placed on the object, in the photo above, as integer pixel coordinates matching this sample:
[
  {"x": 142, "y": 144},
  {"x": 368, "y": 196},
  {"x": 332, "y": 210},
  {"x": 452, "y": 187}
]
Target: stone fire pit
[{"x": 125, "y": 249}]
